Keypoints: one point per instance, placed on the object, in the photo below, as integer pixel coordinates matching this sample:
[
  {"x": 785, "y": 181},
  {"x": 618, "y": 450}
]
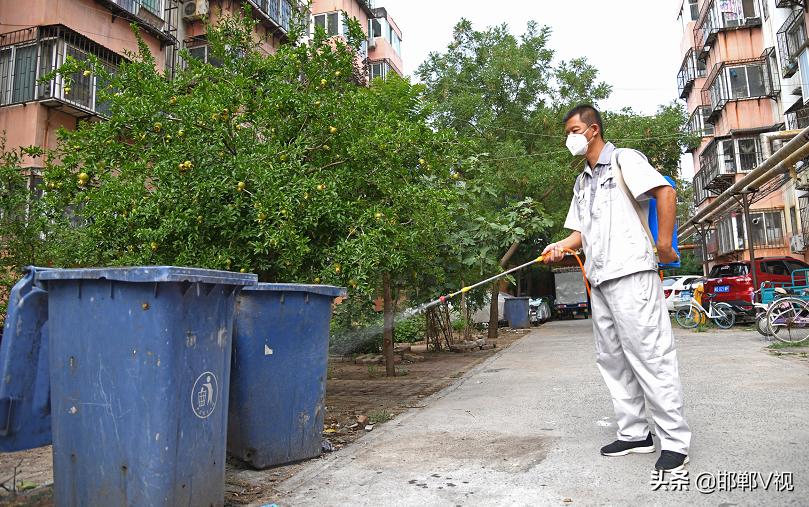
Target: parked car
[
  {"x": 673, "y": 286},
  {"x": 731, "y": 282}
]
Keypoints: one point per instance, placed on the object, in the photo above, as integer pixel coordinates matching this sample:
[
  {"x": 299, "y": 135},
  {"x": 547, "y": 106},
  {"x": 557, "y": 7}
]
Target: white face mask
[{"x": 577, "y": 143}]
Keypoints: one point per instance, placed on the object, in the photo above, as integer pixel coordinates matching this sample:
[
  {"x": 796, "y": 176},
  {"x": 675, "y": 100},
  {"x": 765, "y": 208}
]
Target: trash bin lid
[
  {"x": 517, "y": 297},
  {"x": 25, "y": 421},
  {"x": 323, "y": 290},
  {"x": 149, "y": 274}
]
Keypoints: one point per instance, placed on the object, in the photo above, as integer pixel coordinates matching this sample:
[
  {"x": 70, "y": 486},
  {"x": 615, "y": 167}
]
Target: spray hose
[{"x": 443, "y": 299}]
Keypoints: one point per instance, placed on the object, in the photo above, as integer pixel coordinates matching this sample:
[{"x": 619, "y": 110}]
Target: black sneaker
[
  {"x": 671, "y": 461},
  {"x": 622, "y": 447}
]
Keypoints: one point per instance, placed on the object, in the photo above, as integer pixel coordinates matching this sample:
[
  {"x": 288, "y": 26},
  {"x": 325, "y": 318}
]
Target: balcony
[
  {"x": 797, "y": 119},
  {"x": 723, "y": 159},
  {"x": 279, "y": 14},
  {"x": 29, "y": 54},
  {"x": 788, "y": 4},
  {"x": 153, "y": 16},
  {"x": 740, "y": 80},
  {"x": 791, "y": 41},
  {"x": 697, "y": 124},
  {"x": 687, "y": 74},
  {"x": 712, "y": 20}
]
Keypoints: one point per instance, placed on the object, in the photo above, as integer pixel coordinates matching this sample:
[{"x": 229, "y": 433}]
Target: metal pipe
[{"x": 766, "y": 168}]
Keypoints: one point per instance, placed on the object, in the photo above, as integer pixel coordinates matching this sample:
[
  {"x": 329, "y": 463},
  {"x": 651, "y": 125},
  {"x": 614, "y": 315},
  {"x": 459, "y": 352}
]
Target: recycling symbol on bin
[{"x": 204, "y": 395}]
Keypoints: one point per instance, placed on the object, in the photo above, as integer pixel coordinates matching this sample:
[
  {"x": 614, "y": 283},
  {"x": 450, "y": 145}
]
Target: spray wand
[{"x": 443, "y": 299}]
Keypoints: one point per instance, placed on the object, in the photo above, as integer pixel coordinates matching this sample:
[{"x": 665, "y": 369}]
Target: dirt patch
[
  {"x": 493, "y": 451},
  {"x": 351, "y": 391}
]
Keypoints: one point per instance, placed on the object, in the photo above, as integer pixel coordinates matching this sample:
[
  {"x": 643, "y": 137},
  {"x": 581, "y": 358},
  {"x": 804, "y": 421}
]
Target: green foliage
[
  {"x": 20, "y": 219},
  {"x": 255, "y": 165},
  {"x": 410, "y": 330}
]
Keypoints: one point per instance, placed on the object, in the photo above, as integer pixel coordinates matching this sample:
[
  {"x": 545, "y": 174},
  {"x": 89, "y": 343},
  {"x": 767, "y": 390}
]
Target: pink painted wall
[
  {"x": 87, "y": 17},
  {"x": 736, "y": 45},
  {"x": 219, "y": 9},
  {"x": 384, "y": 50},
  {"x": 32, "y": 124},
  {"x": 743, "y": 114}
]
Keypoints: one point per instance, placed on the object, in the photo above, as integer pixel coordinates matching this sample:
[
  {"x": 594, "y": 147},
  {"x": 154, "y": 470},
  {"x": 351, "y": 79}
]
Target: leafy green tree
[
  {"x": 275, "y": 164},
  {"x": 508, "y": 96}
]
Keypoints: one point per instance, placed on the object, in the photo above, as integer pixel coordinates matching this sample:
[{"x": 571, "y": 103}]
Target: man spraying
[{"x": 634, "y": 342}]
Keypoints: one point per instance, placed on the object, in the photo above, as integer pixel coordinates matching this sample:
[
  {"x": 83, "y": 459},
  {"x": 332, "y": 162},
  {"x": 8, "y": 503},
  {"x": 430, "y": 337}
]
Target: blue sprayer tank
[{"x": 653, "y": 227}]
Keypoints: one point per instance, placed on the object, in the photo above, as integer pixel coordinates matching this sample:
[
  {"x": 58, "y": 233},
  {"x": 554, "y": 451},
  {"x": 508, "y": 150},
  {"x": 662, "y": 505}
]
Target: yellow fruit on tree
[
  {"x": 154, "y": 246},
  {"x": 67, "y": 90},
  {"x": 180, "y": 133},
  {"x": 83, "y": 178},
  {"x": 378, "y": 215},
  {"x": 422, "y": 161},
  {"x": 240, "y": 186},
  {"x": 321, "y": 187},
  {"x": 243, "y": 270},
  {"x": 337, "y": 73},
  {"x": 337, "y": 268},
  {"x": 283, "y": 157},
  {"x": 332, "y": 130},
  {"x": 324, "y": 82},
  {"x": 86, "y": 73},
  {"x": 157, "y": 127}
]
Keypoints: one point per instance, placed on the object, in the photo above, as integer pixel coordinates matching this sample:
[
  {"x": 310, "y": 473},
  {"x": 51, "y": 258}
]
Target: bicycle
[
  {"x": 788, "y": 317},
  {"x": 721, "y": 314}
]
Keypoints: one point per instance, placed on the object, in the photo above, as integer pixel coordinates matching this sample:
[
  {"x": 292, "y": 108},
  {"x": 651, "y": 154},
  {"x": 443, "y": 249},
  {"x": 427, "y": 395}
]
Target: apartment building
[
  {"x": 37, "y": 35},
  {"x": 382, "y": 50},
  {"x": 745, "y": 76}
]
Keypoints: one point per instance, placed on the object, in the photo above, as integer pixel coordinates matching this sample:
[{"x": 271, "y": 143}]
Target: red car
[{"x": 731, "y": 282}]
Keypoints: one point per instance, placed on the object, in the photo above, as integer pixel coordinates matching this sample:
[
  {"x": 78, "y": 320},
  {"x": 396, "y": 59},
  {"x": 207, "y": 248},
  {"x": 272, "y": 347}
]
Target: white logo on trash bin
[{"x": 204, "y": 395}]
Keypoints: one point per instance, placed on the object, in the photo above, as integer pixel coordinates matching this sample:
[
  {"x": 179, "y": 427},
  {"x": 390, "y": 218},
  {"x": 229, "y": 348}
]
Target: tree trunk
[
  {"x": 387, "y": 336},
  {"x": 493, "y": 313}
]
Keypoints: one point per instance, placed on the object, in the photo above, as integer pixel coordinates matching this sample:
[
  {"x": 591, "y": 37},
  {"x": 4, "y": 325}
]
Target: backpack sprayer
[{"x": 443, "y": 299}]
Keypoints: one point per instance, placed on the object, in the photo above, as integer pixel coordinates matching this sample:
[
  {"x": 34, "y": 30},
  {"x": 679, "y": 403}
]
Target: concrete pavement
[{"x": 525, "y": 427}]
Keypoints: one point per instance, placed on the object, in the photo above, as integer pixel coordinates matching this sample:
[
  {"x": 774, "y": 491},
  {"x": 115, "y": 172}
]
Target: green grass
[
  {"x": 782, "y": 345},
  {"x": 379, "y": 416}
]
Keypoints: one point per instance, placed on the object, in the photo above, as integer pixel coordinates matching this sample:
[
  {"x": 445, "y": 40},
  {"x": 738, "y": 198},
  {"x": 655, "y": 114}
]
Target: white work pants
[{"x": 636, "y": 355}]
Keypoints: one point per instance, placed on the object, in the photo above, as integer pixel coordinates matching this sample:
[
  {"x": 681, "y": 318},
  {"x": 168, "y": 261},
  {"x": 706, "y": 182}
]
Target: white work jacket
[{"x": 613, "y": 236}]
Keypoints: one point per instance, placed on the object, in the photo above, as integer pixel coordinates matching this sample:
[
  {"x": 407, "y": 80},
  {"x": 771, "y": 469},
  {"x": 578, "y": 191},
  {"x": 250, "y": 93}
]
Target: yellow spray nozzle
[
  {"x": 466, "y": 289},
  {"x": 539, "y": 259}
]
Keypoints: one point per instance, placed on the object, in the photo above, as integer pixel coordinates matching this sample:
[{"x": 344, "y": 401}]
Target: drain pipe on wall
[{"x": 779, "y": 162}]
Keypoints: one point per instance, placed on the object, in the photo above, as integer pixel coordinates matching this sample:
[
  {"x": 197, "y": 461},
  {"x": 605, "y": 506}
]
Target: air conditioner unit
[
  {"x": 802, "y": 180},
  {"x": 797, "y": 244},
  {"x": 195, "y": 9},
  {"x": 371, "y": 42}
]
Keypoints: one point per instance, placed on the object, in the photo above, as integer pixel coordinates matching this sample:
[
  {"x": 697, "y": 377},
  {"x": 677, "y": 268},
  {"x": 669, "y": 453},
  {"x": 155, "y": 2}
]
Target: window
[
  {"x": 374, "y": 28},
  {"x": 698, "y": 123},
  {"x": 803, "y": 65},
  {"x": 793, "y": 220},
  {"x": 794, "y": 265},
  {"x": 731, "y": 234},
  {"x": 153, "y": 6},
  {"x": 728, "y": 157},
  {"x": 692, "y": 4},
  {"x": 203, "y": 54},
  {"x": 395, "y": 41},
  {"x": 774, "y": 268},
  {"x": 767, "y": 228},
  {"x": 732, "y": 269},
  {"x": 81, "y": 86},
  {"x": 5, "y": 75},
  {"x": 329, "y": 22},
  {"x": 746, "y": 81},
  {"x": 378, "y": 70},
  {"x": 24, "y": 73},
  {"x": 748, "y": 154}
]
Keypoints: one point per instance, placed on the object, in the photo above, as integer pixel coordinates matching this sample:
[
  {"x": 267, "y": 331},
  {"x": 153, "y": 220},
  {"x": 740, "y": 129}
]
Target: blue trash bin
[
  {"x": 278, "y": 376},
  {"x": 25, "y": 421},
  {"x": 139, "y": 369},
  {"x": 516, "y": 312}
]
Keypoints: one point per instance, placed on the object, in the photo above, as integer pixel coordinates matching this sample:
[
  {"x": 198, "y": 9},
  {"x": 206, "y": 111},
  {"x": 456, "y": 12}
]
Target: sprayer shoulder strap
[{"x": 618, "y": 176}]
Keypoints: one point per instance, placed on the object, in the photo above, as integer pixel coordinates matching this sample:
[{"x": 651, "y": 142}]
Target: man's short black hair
[{"x": 588, "y": 115}]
